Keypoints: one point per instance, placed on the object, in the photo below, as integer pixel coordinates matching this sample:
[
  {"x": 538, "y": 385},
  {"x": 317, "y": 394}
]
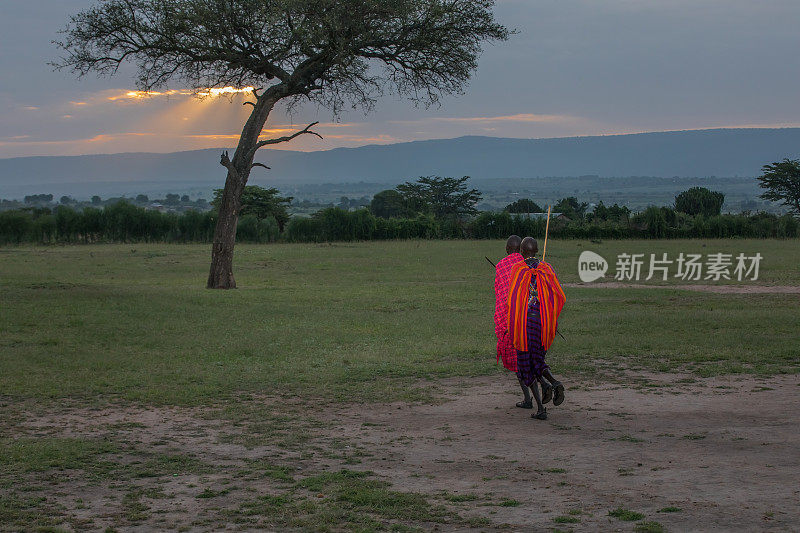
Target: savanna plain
[{"x": 354, "y": 387}]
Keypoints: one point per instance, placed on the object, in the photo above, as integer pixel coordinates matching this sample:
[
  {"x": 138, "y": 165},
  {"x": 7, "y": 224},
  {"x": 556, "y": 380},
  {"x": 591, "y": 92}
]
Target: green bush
[{"x": 125, "y": 222}]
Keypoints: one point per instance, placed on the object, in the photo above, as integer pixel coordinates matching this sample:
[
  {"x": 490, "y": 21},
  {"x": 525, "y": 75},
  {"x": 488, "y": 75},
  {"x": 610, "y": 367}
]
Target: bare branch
[
  {"x": 260, "y": 165},
  {"x": 287, "y": 138},
  {"x": 225, "y": 161},
  {"x": 249, "y": 103}
]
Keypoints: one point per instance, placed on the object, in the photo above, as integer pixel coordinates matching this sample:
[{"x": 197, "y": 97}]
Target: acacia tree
[
  {"x": 332, "y": 52},
  {"x": 700, "y": 201},
  {"x": 782, "y": 183},
  {"x": 261, "y": 202},
  {"x": 442, "y": 197}
]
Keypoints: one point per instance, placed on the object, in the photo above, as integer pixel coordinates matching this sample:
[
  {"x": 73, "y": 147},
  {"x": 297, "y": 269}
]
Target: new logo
[{"x": 591, "y": 266}]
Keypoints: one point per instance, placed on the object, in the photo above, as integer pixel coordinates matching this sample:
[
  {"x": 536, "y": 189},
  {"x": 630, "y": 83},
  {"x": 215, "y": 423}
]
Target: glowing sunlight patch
[{"x": 203, "y": 93}]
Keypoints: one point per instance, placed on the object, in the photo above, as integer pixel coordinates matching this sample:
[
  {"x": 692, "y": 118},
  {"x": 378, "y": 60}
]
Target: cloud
[
  {"x": 164, "y": 141},
  {"x": 24, "y": 140},
  {"x": 520, "y": 117}
]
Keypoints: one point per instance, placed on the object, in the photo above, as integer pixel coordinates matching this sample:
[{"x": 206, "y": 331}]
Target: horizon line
[{"x": 625, "y": 134}]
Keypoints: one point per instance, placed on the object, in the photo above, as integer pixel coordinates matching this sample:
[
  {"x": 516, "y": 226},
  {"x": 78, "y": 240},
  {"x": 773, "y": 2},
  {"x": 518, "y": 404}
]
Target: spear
[
  {"x": 544, "y": 252},
  {"x": 546, "y": 233}
]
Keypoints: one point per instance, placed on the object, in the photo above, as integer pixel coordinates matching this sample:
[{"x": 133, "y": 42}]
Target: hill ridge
[{"x": 685, "y": 153}]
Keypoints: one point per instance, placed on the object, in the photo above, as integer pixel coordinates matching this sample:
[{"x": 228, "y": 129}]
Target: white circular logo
[{"x": 591, "y": 267}]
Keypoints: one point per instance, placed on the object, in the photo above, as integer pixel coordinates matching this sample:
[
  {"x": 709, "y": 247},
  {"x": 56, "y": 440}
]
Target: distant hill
[{"x": 719, "y": 152}]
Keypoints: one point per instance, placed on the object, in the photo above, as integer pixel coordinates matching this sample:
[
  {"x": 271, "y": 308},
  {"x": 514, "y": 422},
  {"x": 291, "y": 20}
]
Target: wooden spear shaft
[
  {"x": 544, "y": 253},
  {"x": 546, "y": 233}
]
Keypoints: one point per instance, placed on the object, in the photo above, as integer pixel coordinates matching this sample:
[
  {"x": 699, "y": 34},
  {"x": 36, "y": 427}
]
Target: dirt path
[
  {"x": 722, "y": 451},
  {"x": 717, "y": 289}
]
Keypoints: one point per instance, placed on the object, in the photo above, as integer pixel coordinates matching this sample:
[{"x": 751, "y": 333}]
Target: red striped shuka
[{"x": 551, "y": 301}]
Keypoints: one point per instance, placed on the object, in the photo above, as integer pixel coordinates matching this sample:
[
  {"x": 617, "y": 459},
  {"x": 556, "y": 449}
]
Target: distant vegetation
[
  {"x": 125, "y": 222},
  {"x": 700, "y": 201},
  {"x": 782, "y": 183},
  {"x": 261, "y": 203},
  {"x": 430, "y": 208},
  {"x": 170, "y": 202}
]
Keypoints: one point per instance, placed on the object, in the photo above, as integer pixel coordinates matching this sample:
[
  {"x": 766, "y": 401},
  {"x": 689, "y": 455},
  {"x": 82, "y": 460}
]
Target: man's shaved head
[
  {"x": 528, "y": 247},
  {"x": 512, "y": 244}
]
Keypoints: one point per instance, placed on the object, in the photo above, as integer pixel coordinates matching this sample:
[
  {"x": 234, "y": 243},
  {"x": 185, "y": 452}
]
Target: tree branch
[
  {"x": 225, "y": 161},
  {"x": 306, "y": 130},
  {"x": 259, "y": 165}
]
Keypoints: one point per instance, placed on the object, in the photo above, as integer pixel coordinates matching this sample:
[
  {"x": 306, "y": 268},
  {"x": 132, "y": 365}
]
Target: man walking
[
  {"x": 535, "y": 300},
  {"x": 505, "y": 348}
]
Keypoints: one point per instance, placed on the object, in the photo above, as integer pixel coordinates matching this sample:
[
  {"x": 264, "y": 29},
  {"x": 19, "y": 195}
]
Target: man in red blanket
[
  {"x": 505, "y": 347},
  {"x": 535, "y": 300}
]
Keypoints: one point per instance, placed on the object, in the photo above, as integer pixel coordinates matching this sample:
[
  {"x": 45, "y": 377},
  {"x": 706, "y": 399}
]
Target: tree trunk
[{"x": 221, "y": 274}]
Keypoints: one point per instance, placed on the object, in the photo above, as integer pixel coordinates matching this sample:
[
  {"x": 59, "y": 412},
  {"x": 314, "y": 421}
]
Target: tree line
[
  {"x": 430, "y": 208},
  {"x": 125, "y": 222}
]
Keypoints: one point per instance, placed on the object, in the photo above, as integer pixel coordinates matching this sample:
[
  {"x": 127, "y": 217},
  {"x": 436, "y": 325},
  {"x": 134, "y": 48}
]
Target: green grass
[
  {"x": 625, "y": 514},
  {"x": 354, "y": 500},
  {"x": 133, "y": 326},
  {"x": 362, "y": 321},
  {"x": 95, "y": 460},
  {"x": 32, "y": 469},
  {"x": 694, "y": 436},
  {"x": 670, "y": 510},
  {"x": 27, "y": 455},
  {"x": 648, "y": 527},
  {"x": 346, "y": 500},
  {"x": 629, "y": 438}
]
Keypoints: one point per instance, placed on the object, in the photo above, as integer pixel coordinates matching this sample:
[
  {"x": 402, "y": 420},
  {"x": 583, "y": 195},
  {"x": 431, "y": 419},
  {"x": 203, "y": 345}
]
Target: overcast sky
[{"x": 576, "y": 67}]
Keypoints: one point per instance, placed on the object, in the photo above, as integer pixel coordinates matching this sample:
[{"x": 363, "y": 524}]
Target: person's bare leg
[
  {"x": 547, "y": 390},
  {"x": 558, "y": 387},
  {"x": 526, "y": 403},
  {"x": 541, "y": 412}
]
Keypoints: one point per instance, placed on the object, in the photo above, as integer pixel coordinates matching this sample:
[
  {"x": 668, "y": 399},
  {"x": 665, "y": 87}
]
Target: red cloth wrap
[
  {"x": 551, "y": 302},
  {"x": 502, "y": 278}
]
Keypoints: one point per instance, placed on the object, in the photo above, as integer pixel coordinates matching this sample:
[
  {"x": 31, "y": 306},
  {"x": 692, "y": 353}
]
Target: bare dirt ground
[
  {"x": 719, "y": 453},
  {"x": 717, "y": 289},
  {"x": 723, "y": 451}
]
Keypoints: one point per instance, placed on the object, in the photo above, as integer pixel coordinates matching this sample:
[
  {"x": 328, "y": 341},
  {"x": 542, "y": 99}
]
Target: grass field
[
  {"x": 369, "y": 323},
  {"x": 348, "y": 321}
]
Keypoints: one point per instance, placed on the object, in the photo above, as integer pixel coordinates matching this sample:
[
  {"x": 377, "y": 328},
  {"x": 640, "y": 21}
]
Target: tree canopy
[
  {"x": 261, "y": 203},
  {"x": 331, "y": 51},
  {"x": 524, "y": 205},
  {"x": 571, "y": 208},
  {"x": 389, "y": 204},
  {"x": 441, "y": 197},
  {"x": 782, "y": 183},
  {"x": 700, "y": 201},
  {"x": 614, "y": 212}
]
